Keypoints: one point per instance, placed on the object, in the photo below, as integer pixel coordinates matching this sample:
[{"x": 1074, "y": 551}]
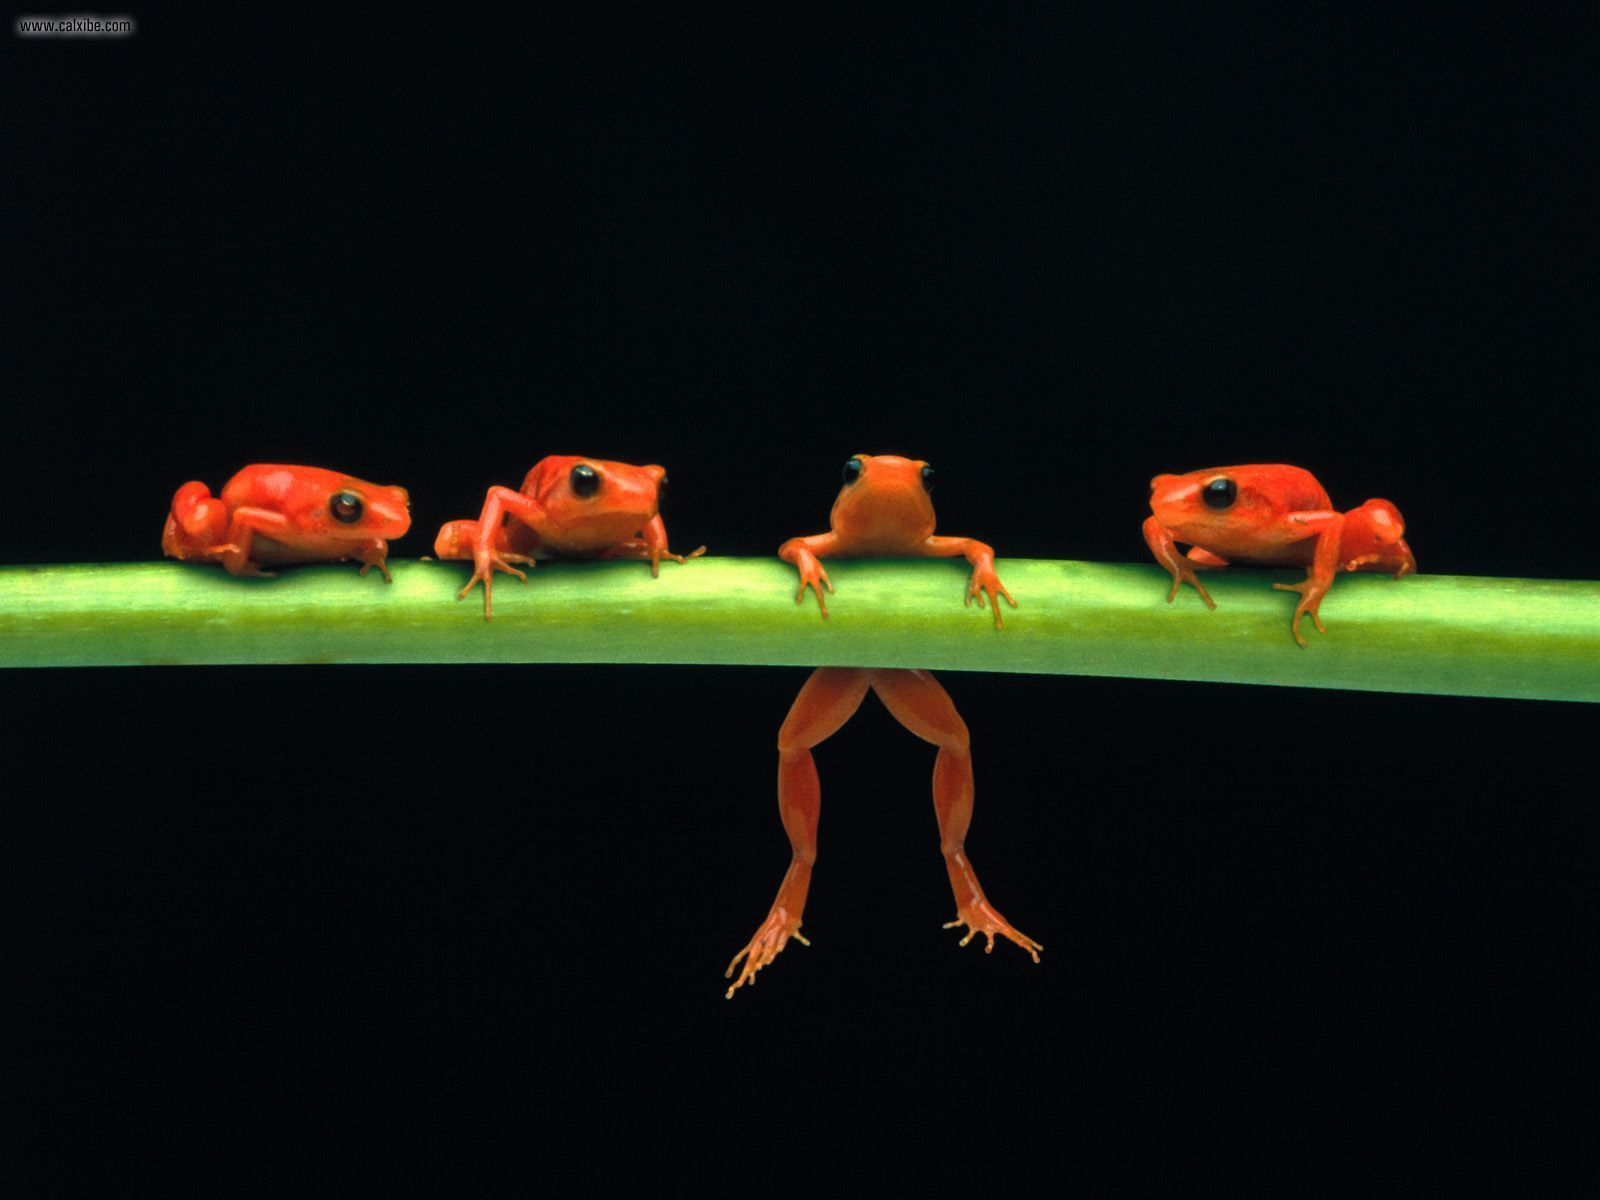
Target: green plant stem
[{"x": 1440, "y": 634}]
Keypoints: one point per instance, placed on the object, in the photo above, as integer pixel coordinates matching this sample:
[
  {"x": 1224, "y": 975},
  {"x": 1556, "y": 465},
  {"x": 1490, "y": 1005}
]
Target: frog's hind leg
[
  {"x": 456, "y": 539},
  {"x": 917, "y": 701},
  {"x": 828, "y": 699},
  {"x": 1328, "y": 528},
  {"x": 201, "y": 527},
  {"x": 196, "y": 525},
  {"x": 243, "y": 526}
]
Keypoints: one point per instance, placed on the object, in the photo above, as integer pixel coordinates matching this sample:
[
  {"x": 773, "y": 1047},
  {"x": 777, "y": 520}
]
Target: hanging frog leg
[
  {"x": 1328, "y": 528},
  {"x": 651, "y": 544},
  {"x": 828, "y": 699},
  {"x": 917, "y": 701}
]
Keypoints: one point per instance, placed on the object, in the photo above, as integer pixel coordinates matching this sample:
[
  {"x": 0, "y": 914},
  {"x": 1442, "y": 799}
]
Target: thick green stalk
[{"x": 1441, "y": 634}]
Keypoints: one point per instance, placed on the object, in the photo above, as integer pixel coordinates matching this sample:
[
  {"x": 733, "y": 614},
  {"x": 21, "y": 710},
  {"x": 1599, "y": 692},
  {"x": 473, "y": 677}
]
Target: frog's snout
[{"x": 1163, "y": 489}]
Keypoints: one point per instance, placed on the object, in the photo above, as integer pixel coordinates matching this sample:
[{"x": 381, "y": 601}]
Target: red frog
[
  {"x": 272, "y": 514},
  {"x": 1270, "y": 514},
  {"x": 883, "y": 509},
  {"x": 569, "y": 507}
]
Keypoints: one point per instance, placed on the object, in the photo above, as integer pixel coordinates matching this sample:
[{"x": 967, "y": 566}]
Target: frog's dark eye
[
  {"x": 585, "y": 481},
  {"x": 927, "y": 479},
  {"x": 1220, "y": 493},
  {"x": 852, "y": 471},
  {"x": 346, "y": 507},
  {"x": 661, "y": 488}
]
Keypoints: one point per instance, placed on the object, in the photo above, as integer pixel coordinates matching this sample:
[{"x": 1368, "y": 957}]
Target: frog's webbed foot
[
  {"x": 985, "y": 582},
  {"x": 655, "y": 559},
  {"x": 768, "y": 942},
  {"x": 483, "y": 571},
  {"x": 1184, "y": 573},
  {"x": 231, "y": 562},
  {"x": 814, "y": 577},
  {"x": 1165, "y": 548},
  {"x": 1408, "y": 560},
  {"x": 981, "y": 917},
  {"x": 1311, "y": 594},
  {"x": 375, "y": 556}
]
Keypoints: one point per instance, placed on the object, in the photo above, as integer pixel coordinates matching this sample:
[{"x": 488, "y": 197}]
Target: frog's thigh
[
  {"x": 828, "y": 699},
  {"x": 258, "y": 520},
  {"x": 918, "y": 701}
]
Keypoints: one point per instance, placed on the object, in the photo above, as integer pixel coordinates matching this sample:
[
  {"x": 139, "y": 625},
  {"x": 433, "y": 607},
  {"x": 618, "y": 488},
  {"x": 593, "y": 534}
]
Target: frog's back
[{"x": 1290, "y": 489}]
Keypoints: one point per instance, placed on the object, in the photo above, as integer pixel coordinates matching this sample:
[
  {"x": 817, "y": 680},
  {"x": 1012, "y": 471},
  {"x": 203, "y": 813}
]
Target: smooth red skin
[
  {"x": 546, "y": 520},
  {"x": 1281, "y": 517},
  {"x": 272, "y": 513},
  {"x": 885, "y": 512}
]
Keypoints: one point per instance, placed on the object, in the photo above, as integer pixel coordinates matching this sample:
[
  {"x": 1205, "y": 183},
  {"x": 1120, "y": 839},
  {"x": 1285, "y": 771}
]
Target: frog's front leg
[
  {"x": 489, "y": 542},
  {"x": 917, "y": 701},
  {"x": 374, "y": 554},
  {"x": 1159, "y": 538},
  {"x": 805, "y": 554},
  {"x": 651, "y": 544},
  {"x": 828, "y": 699},
  {"x": 1328, "y": 528},
  {"x": 984, "y": 581}
]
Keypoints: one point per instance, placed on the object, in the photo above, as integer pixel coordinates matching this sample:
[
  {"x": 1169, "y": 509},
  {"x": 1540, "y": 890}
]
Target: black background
[{"x": 338, "y": 910}]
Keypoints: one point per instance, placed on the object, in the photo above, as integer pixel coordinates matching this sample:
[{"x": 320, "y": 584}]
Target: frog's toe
[
  {"x": 765, "y": 946},
  {"x": 982, "y": 918}
]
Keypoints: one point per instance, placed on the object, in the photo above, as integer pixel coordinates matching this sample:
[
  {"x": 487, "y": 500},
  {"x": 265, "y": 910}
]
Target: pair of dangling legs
[{"x": 829, "y": 699}]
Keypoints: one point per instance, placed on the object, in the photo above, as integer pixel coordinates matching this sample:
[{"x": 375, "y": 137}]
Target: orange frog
[
  {"x": 1270, "y": 515},
  {"x": 273, "y": 514},
  {"x": 569, "y": 507},
  {"x": 883, "y": 509}
]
